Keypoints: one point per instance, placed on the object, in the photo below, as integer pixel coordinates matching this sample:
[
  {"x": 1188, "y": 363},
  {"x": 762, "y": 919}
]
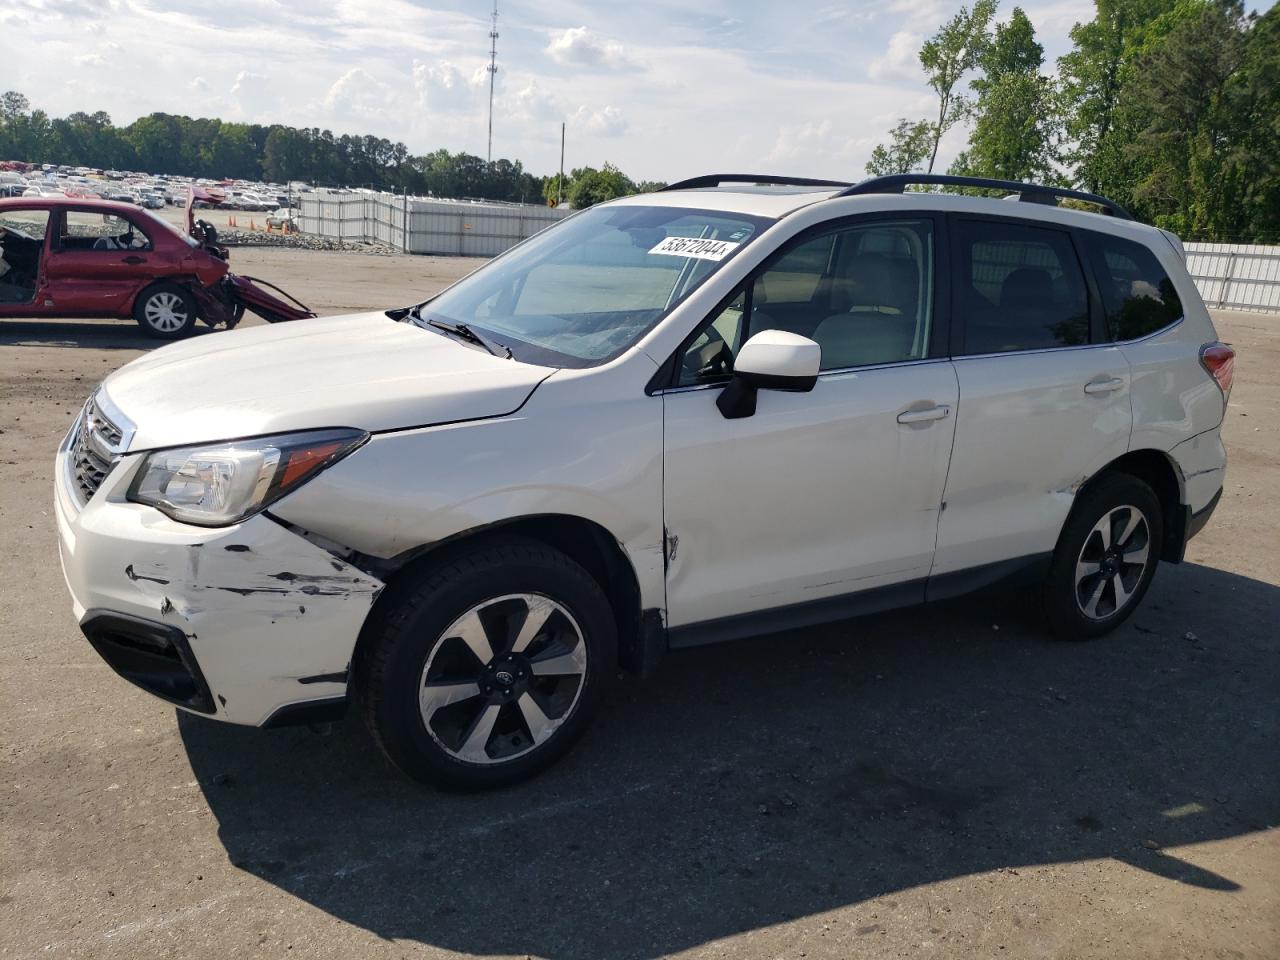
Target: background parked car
[{"x": 281, "y": 218}]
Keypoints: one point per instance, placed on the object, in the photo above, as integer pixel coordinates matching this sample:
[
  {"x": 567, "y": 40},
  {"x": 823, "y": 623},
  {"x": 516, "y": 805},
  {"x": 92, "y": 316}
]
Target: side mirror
[{"x": 771, "y": 360}]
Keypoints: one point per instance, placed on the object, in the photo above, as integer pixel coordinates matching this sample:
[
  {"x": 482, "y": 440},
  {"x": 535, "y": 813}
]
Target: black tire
[
  {"x": 401, "y": 650},
  {"x": 1070, "y": 590},
  {"x": 166, "y": 311}
]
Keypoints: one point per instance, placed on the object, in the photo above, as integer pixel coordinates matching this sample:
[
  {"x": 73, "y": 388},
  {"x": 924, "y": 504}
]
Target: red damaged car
[{"x": 85, "y": 257}]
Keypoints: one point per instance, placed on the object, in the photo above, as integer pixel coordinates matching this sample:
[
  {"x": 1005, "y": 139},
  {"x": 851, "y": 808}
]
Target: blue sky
[{"x": 663, "y": 89}]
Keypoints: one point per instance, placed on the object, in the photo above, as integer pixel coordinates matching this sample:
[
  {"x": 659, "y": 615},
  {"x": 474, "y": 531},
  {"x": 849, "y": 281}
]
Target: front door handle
[
  {"x": 1104, "y": 386},
  {"x": 929, "y": 413},
  {"x": 135, "y": 259}
]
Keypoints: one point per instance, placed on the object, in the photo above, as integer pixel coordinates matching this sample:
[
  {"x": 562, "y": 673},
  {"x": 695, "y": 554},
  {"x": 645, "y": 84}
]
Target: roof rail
[
  {"x": 1027, "y": 192},
  {"x": 715, "y": 179}
]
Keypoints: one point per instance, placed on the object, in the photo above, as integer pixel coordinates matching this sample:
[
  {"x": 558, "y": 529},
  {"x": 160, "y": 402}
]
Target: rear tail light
[{"x": 1220, "y": 360}]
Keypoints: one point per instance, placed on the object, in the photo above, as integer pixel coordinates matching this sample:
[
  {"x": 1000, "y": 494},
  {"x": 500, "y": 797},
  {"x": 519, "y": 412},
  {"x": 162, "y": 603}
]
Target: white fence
[
  {"x": 1236, "y": 276},
  {"x": 1230, "y": 276},
  {"x": 449, "y": 227}
]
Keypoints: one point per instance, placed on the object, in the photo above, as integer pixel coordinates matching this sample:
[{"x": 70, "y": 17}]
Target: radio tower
[{"x": 493, "y": 72}]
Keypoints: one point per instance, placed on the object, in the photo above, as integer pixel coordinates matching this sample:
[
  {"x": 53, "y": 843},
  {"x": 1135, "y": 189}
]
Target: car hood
[{"x": 363, "y": 370}]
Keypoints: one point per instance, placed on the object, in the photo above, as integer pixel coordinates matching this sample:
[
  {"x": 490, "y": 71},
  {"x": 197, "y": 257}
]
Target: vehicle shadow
[
  {"x": 757, "y": 782},
  {"x": 95, "y": 334}
]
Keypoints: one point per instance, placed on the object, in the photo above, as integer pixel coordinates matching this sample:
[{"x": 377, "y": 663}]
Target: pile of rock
[{"x": 299, "y": 241}]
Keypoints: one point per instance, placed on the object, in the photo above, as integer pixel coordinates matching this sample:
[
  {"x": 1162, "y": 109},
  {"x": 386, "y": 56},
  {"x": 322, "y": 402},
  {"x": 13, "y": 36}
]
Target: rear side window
[
  {"x": 1021, "y": 288},
  {"x": 1137, "y": 294}
]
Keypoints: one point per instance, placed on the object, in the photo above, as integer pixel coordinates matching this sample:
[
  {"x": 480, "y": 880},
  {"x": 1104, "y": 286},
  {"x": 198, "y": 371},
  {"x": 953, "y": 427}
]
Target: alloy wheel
[
  {"x": 503, "y": 678},
  {"x": 1112, "y": 562},
  {"x": 165, "y": 312}
]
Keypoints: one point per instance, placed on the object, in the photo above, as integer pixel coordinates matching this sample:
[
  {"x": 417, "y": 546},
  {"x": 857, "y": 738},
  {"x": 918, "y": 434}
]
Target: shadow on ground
[
  {"x": 757, "y": 782},
  {"x": 99, "y": 335}
]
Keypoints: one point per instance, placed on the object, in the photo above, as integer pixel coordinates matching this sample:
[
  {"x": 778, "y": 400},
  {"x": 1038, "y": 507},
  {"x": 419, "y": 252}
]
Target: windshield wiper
[{"x": 468, "y": 334}]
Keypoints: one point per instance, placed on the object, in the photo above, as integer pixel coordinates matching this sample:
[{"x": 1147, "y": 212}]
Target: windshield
[{"x": 585, "y": 290}]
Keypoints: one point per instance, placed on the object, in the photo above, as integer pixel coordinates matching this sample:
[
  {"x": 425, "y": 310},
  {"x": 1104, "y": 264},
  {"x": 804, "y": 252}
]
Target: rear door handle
[
  {"x": 938, "y": 412},
  {"x": 135, "y": 259},
  {"x": 1104, "y": 386}
]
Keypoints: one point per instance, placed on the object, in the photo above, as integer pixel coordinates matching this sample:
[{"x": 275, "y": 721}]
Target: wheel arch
[
  {"x": 186, "y": 282},
  {"x": 1157, "y": 470},
  {"x": 586, "y": 542}
]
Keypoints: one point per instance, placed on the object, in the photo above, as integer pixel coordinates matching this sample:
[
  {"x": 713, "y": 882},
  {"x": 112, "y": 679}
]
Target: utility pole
[
  {"x": 560, "y": 181},
  {"x": 493, "y": 72}
]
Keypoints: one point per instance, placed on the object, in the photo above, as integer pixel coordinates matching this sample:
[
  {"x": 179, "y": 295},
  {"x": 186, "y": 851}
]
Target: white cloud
[
  {"x": 247, "y": 84},
  {"x": 579, "y": 47},
  {"x": 900, "y": 60},
  {"x": 444, "y": 87},
  {"x": 532, "y": 102},
  {"x": 662, "y": 89},
  {"x": 606, "y": 121},
  {"x": 359, "y": 94}
]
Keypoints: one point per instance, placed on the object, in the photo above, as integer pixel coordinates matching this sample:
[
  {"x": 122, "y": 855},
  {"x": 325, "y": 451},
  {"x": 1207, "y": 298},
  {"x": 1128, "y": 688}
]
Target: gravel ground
[{"x": 941, "y": 782}]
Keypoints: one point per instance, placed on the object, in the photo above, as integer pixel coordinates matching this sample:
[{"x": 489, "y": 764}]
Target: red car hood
[{"x": 200, "y": 193}]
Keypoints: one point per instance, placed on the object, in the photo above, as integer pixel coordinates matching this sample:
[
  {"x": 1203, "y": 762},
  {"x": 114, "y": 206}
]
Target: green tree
[
  {"x": 554, "y": 188},
  {"x": 208, "y": 147},
  {"x": 1101, "y": 123},
  {"x": 910, "y": 145},
  {"x": 1208, "y": 148},
  {"x": 25, "y": 134},
  {"x": 947, "y": 56},
  {"x": 231, "y": 151},
  {"x": 1014, "y": 128},
  {"x": 590, "y": 186}
]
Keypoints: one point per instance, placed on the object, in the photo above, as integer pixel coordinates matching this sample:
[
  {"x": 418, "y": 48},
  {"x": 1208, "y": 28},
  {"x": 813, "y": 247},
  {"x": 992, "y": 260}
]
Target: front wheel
[
  {"x": 488, "y": 668},
  {"x": 1105, "y": 558},
  {"x": 165, "y": 311}
]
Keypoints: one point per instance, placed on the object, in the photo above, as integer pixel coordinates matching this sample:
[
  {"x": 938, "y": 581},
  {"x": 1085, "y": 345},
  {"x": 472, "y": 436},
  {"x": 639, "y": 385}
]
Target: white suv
[{"x": 737, "y": 406}]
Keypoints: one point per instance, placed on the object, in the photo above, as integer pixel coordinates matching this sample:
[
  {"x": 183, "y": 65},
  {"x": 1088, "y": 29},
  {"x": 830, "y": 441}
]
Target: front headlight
[{"x": 215, "y": 485}]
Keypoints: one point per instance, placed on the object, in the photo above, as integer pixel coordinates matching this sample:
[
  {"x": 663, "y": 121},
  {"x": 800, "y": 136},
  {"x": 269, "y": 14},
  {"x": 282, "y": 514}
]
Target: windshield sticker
[{"x": 695, "y": 248}]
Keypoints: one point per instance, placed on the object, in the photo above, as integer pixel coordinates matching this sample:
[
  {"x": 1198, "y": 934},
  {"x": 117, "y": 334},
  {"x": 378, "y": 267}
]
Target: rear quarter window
[
  {"x": 1021, "y": 288},
  {"x": 1137, "y": 295}
]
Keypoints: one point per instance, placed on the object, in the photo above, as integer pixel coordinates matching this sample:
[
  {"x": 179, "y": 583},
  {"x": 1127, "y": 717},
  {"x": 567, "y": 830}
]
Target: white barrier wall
[
  {"x": 1236, "y": 276},
  {"x": 449, "y": 227},
  {"x": 1230, "y": 276}
]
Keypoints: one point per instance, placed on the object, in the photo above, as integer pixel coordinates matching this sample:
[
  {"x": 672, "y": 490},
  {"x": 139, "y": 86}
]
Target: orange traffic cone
[{"x": 252, "y": 225}]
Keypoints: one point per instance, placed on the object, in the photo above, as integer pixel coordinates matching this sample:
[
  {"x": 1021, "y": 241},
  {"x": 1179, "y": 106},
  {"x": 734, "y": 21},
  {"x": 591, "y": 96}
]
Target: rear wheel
[
  {"x": 165, "y": 311},
  {"x": 488, "y": 668},
  {"x": 1105, "y": 559}
]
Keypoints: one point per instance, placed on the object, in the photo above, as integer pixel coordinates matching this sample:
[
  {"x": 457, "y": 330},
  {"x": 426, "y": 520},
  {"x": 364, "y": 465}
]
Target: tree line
[
  {"x": 163, "y": 143},
  {"x": 1169, "y": 107}
]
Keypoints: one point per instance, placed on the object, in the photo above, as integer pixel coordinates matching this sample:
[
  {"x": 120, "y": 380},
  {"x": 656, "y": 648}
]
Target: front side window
[
  {"x": 1021, "y": 288},
  {"x": 94, "y": 230},
  {"x": 28, "y": 225},
  {"x": 583, "y": 291},
  {"x": 1137, "y": 294},
  {"x": 863, "y": 293}
]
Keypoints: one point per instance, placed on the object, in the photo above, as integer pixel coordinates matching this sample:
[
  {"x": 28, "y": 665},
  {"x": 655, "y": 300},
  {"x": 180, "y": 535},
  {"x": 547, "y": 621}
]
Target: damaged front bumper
[
  {"x": 249, "y": 623},
  {"x": 226, "y": 301}
]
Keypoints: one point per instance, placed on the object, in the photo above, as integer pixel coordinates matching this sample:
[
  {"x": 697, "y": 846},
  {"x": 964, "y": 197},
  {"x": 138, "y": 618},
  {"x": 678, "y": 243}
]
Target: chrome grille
[{"x": 96, "y": 447}]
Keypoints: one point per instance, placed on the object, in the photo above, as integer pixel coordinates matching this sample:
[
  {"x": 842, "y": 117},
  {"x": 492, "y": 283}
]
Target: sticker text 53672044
[{"x": 694, "y": 247}]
